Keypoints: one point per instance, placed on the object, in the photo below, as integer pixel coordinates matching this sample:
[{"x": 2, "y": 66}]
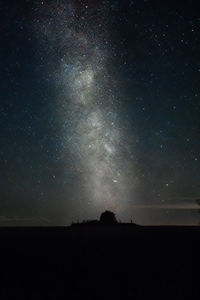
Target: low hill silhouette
[{"x": 107, "y": 218}]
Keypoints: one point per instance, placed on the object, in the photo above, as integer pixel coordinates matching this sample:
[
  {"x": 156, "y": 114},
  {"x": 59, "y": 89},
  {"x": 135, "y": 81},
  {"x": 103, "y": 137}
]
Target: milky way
[
  {"x": 99, "y": 107},
  {"x": 91, "y": 131}
]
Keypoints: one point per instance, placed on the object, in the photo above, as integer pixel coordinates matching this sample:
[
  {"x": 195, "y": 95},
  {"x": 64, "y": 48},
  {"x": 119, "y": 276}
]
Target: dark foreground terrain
[{"x": 123, "y": 261}]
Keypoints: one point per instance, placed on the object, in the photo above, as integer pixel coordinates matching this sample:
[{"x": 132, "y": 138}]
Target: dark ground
[{"x": 123, "y": 261}]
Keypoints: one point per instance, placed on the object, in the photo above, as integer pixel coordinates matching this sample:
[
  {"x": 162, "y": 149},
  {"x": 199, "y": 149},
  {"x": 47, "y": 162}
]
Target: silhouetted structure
[
  {"x": 108, "y": 218},
  {"x": 90, "y": 222}
]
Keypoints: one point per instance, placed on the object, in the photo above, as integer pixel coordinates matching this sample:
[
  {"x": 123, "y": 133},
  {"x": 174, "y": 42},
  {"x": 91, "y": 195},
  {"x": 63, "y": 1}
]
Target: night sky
[{"x": 99, "y": 109}]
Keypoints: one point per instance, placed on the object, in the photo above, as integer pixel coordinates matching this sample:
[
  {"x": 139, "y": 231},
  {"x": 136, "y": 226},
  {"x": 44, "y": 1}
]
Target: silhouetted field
[{"x": 106, "y": 262}]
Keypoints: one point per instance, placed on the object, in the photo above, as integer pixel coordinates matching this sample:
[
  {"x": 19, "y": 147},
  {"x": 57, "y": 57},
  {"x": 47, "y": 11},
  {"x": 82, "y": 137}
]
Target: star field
[{"x": 99, "y": 108}]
